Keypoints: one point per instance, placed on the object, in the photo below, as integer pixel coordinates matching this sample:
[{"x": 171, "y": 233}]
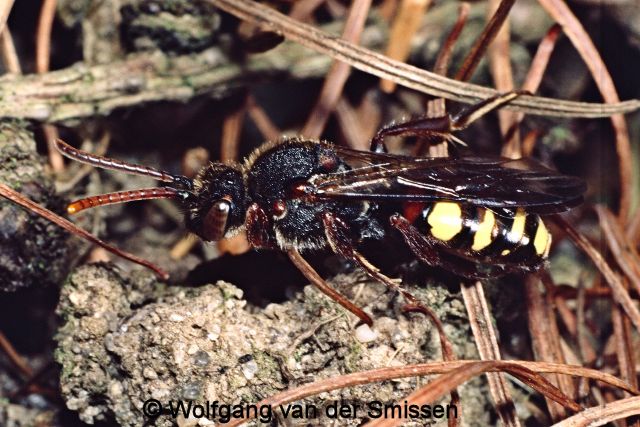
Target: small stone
[
  {"x": 176, "y": 318},
  {"x": 149, "y": 374},
  {"x": 201, "y": 358},
  {"x": 191, "y": 391},
  {"x": 250, "y": 369},
  {"x": 365, "y": 334},
  {"x": 214, "y": 333}
]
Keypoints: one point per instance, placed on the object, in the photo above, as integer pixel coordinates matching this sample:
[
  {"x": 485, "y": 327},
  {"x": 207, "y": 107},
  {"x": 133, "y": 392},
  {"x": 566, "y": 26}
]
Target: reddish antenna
[
  {"x": 118, "y": 165},
  {"x": 30, "y": 205},
  {"x": 123, "y": 197},
  {"x": 130, "y": 168}
]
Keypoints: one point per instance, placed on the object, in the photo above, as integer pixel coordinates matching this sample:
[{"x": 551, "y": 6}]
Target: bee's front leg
[
  {"x": 338, "y": 235},
  {"x": 259, "y": 228},
  {"x": 307, "y": 270}
]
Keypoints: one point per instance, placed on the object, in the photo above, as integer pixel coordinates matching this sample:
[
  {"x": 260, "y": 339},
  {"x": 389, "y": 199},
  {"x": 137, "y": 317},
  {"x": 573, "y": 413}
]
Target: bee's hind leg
[
  {"x": 432, "y": 252},
  {"x": 337, "y": 233},
  {"x": 442, "y": 128},
  {"x": 436, "y": 128}
]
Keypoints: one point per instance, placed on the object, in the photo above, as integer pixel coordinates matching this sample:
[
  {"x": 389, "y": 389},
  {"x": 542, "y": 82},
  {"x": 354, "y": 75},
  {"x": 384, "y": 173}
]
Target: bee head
[{"x": 216, "y": 207}]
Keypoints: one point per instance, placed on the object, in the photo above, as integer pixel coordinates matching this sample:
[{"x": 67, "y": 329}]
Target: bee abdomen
[{"x": 481, "y": 233}]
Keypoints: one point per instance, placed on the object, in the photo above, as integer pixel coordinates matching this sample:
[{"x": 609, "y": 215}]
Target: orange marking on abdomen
[{"x": 413, "y": 210}]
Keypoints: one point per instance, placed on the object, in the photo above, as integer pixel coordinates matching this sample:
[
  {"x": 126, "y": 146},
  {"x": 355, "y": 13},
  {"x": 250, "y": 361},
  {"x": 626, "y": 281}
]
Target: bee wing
[{"x": 492, "y": 182}]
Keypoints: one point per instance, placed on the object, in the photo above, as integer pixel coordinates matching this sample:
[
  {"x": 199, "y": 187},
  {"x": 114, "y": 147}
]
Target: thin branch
[
  {"x": 15, "y": 358},
  {"x": 572, "y": 27},
  {"x": 405, "y": 24},
  {"x": 499, "y": 54},
  {"x": 531, "y": 84},
  {"x": 86, "y": 91},
  {"x": 623, "y": 250},
  {"x": 600, "y": 415},
  {"x": 438, "y": 387},
  {"x": 267, "y": 128},
  {"x": 303, "y": 10},
  {"x": 9, "y": 55},
  {"x": 31, "y": 206},
  {"x": 482, "y": 43},
  {"x": 43, "y": 35},
  {"x": 5, "y": 9},
  {"x": 433, "y": 368},
  {"x": 231, "y": 130},
  {"x": 404, "y": 74},
  {"x": 351, "y": 126},
  {"x": 338, "y": 74},
  {"x": 43, "y": 53},
  {"x": 542, "y": 334},
  {"x": 620, "y": 294},
  {"x": 633, "y": 229},
  {"x": 487, "y": 344}
]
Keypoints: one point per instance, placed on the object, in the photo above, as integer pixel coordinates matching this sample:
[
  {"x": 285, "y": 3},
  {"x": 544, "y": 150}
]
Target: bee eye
[
  {"x": 215, "y": 222},
  {"x": 279, "y": 209}
]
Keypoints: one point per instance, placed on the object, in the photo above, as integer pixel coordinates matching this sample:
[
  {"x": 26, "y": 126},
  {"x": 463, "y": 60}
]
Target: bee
[{"x": 478, "y": 217}]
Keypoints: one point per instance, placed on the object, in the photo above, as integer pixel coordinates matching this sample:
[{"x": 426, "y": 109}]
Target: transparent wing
[{"x": 492, "y": 182}]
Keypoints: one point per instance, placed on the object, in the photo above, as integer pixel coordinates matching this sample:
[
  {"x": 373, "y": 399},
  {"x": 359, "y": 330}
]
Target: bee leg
[
  {"x": 432, "y": 252},
  {"x": 472, "y": 113},
  {"x": 307, "y": 270},
  {"x": 441, "y": 128},
  {"x": 427, "y": 127},
  {"x": 337, "y": 233},
  {"x": 258, "y": 227}
]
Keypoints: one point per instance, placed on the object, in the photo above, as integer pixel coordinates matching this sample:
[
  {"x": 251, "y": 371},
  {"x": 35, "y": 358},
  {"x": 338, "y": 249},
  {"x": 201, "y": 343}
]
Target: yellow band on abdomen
[
  {"x": 542, "y": 239},
  {"x": 445, "y": 220},
  {"x": 516, "y": 233},
  {"x": 484, "y": 234}
]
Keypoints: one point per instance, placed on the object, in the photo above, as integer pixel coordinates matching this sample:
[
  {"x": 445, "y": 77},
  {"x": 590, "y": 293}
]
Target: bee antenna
[
  {"x": 119, "y": 165},
  {"x": 124, "y": 197}
]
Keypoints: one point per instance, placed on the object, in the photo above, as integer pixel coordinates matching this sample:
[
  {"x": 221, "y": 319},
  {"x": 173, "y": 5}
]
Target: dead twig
[
  {"x": 543, "y": 329},
  {"x": 15, "y": 358},
  {"x": 433, "y": 368},
  {"x": 603, "y": 414},
  {"x": 500, "y": 65},
  {"x": 559, "y": 10},
  {"x": 624, "y": 346},
  {"x": 487, "y": 344},
  {"x": 87, "y": 91},
  {"x": 5, "y": 9},
  {"x": 405, "y": 24},
  {"x": 269, "y": 131},
  {"x": 43, "y": 52},
  {"x": 351, "y": 126},
  {"x": 624, "y": 252},
  {"x": 9, "y": 55},
  {"x": 338, "y": 74},
  {"x": 31, "y": 206},
  {"x": 620, "y": 294},
  {"x": 489, "y": 33},
  {"x": 404, "y": 74},
  {"x": 440, "y": 386},
  {"x": 303, "y": 10},
  {"x": 531, "y": 84},
  {"x": 231, "y": 129}
]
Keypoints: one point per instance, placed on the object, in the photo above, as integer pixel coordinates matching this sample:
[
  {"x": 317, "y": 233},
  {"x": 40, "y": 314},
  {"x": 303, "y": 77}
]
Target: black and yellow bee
[{"x": 478, "y": 217}]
